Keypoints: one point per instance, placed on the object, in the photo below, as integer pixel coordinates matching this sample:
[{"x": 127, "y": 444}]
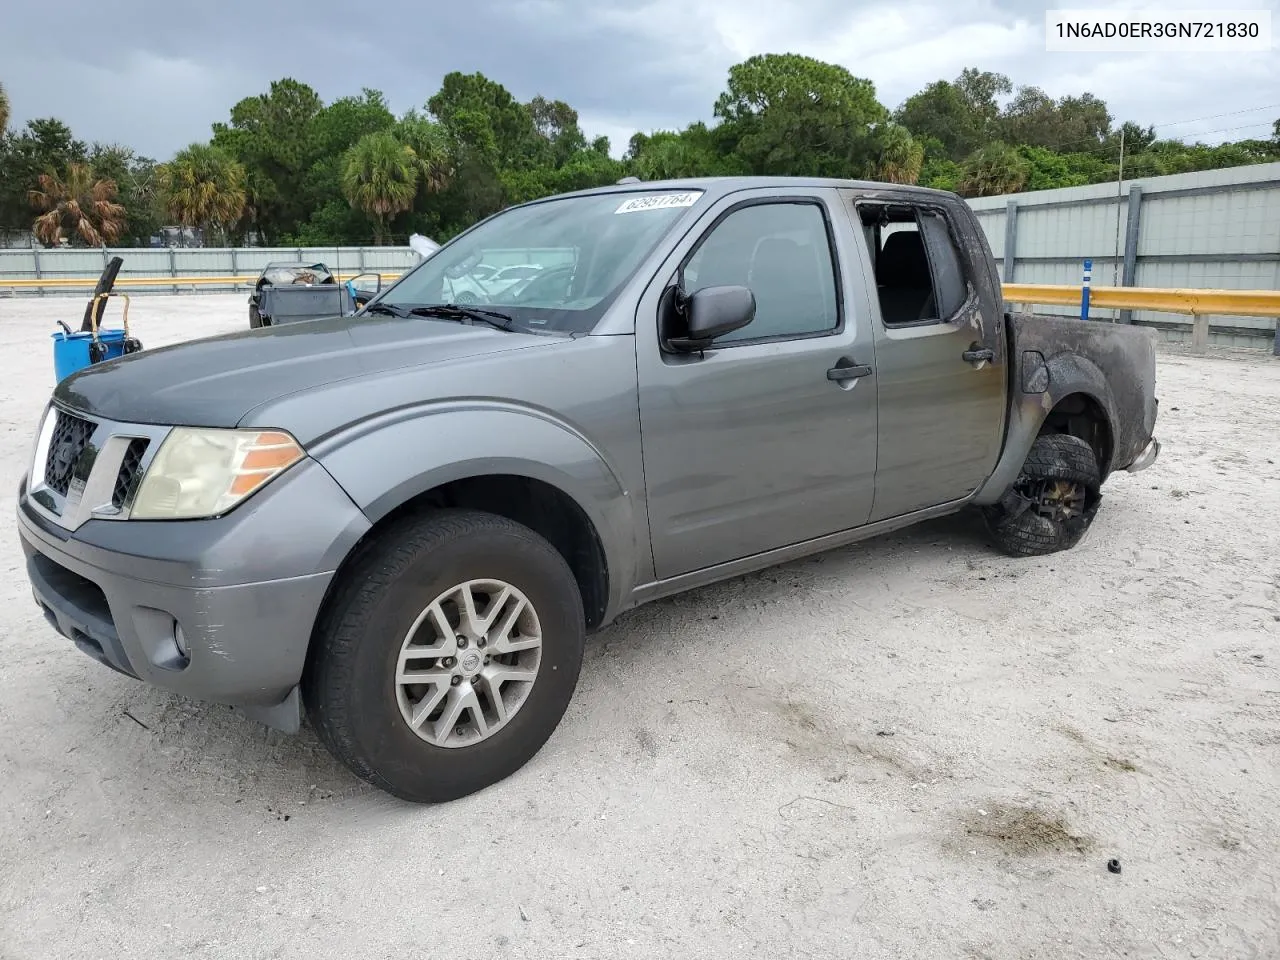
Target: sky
[{"x": 155, "y": 76}]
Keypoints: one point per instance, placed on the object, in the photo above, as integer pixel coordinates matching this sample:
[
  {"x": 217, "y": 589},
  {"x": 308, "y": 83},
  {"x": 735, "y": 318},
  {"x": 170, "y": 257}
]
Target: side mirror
[{"x": 712, "y": 312}]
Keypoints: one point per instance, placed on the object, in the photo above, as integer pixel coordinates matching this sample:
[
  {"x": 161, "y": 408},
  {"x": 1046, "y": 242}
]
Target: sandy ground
[{"x": 914, "y": 748}]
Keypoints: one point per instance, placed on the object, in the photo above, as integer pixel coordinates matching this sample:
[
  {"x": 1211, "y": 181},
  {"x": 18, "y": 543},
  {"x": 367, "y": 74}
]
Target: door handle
[
  {"x": 854, "y": 371},
  {"x": 978, "y": 355}
]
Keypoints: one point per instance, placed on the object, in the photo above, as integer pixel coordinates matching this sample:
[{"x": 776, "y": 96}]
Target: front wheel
[
  {"x": 1053, "y": 501},
  {"x": 447, "y": 656}
]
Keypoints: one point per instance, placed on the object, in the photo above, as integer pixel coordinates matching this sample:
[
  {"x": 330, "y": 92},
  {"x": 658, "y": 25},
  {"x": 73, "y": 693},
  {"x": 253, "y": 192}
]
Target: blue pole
[{"x": 1084, "y": 290}]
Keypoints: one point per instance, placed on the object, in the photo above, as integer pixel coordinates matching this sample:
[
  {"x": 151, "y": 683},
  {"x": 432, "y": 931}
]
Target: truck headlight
[{"x": 200, "y": 472}]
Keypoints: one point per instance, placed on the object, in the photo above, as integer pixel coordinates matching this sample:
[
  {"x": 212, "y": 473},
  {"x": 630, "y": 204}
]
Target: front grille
[
  {"x": 130, "y": 474},
  {"x": 70, "y": 436}
]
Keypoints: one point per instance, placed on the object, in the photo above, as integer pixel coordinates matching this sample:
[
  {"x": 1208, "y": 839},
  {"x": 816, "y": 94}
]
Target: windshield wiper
[
  {"x": 454, "y": 311},
  {"x": 385, "y": 308}
]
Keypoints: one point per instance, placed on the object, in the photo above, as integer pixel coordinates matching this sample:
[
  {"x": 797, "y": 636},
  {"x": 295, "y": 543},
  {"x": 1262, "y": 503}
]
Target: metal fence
[
  {"x": 181, "y": 262},
  {"x": 1217, "y": 229}
]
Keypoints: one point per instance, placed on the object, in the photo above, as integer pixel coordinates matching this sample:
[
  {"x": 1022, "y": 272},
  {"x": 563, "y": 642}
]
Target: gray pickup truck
[{"x": 407, "y": 521}]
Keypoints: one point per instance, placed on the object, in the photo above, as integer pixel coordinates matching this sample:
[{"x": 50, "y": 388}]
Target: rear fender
[
  {"x": 385, "y": 462},
  {"x": 1035, "y": 389}
]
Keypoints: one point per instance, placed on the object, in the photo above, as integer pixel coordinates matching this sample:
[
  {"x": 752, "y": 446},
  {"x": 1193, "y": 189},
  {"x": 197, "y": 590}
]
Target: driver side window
[{"x": 782, "y": 252}]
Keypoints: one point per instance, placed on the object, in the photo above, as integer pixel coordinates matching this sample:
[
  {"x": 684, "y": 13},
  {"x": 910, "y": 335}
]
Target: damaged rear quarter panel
[{"x": 1113, "y": 364}]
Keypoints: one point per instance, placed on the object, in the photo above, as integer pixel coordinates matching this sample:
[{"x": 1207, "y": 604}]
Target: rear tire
[
  {"x": 368, "y": 677},
  {"x": 255, "y": 318},
  {"x": 1052, "y": 503}
]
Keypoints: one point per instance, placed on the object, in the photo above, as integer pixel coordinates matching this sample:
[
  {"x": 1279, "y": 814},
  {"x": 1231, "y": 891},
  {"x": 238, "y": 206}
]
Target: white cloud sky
[{"x": 156, "y": 79}]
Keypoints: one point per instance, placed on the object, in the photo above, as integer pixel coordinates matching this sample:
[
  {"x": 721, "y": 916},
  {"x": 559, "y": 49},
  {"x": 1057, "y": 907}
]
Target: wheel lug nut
[
  {"x": 449, "y": 661},
  {"x": 481, "y": 642},
  {"x": 462, "y": 643},
  {"x": 455, "y": 680}
]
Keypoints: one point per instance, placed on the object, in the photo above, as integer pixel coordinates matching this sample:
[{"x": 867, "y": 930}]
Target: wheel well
[
  {"x": 537, "y": 505},
  {"x": 1080, "y": 415}
]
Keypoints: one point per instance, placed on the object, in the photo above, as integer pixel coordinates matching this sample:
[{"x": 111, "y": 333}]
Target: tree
[
  {"x": 993, "y": 170},
  {"x": 270, "y": 135},
  {"x": 78, "y": 204},
  {"x": 1072, "y": 123},
  {"x": 430, "y": 145},
  {"x": 486, "y": 119},
  {"x": 960, "y": 114},
  {"x": 4, "y": 110},
  {"x": 381, "y": 178},
  {"x": 488, "y": 133},
  {"x": 136, "y": 179},
  {"x": 204, "y": 187},
  {"x": 793, "y": 115},
  {"x": 940, "y": 174},
  {"x": 897, "y": 157},
  {"x": 556, "y": 125}
]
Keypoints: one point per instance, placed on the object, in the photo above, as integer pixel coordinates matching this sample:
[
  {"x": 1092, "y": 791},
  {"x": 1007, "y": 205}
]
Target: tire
[
  {"x": 255, "y": 318},
  {"x": 355, "y": 698},
  {"x": 1032, "y": 520}
]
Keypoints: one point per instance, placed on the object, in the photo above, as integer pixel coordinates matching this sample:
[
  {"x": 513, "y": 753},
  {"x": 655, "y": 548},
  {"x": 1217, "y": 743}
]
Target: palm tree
[
  {"x": 898, "y": 157},
  {"x": 430, "y": 146},
  {"x": 77, "y": 205},
  {"x": 4, "y": 109},
  {"x": 993, "y": 170},
  {"x": 203, "y": 187},
  {"x": 380, "y": 177}
]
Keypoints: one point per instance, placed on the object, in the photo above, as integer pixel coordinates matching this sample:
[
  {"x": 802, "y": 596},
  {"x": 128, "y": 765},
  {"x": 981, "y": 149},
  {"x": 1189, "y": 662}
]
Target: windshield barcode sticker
[{"x": 658, "y": 201}]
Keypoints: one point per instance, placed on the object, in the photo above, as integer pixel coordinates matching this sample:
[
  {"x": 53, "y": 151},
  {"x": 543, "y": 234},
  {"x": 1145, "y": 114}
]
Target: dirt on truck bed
[{"x": 913, "y": 747}]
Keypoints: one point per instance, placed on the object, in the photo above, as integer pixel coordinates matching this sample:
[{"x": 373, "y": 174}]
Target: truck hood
[{"x": 214, "y": 382}]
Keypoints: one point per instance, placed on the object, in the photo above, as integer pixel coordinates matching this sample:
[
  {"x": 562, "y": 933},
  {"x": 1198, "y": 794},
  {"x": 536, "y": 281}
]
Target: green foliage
[
  {"x": 992, "y": 170},
  {"x": 791, "y": 114},
  {"x": 44, "y": 146},
  {"x": 270, "y": 136},
  {"x": 380, "y": 177},
  {"x": 1074, "y": 124},
  {"x": 136, "y": 179},
  {"x": 940, "y": 174},
  {"x": 474, "y": 148},
  {"x": 204, "y": 186},
  {"x": 897, "y": 157},
  {"x": 959, "y": 116}
]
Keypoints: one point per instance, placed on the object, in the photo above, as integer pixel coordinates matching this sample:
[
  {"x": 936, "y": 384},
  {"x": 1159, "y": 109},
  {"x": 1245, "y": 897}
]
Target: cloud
[{"x": 156, "y": 80}]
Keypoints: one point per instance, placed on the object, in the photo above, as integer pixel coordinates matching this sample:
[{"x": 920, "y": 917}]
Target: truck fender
[
  {"x": 384, "y": 462},
  {"x": 1038, "y": 385}
]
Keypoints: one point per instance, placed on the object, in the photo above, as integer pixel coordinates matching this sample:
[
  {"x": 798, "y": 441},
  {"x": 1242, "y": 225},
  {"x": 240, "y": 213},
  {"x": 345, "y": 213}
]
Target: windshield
[{"x": 555, "y": 265}]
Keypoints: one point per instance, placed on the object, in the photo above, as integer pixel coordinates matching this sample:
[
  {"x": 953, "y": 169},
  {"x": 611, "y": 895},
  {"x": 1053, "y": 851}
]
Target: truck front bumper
[{"x": 218, "y": 610}]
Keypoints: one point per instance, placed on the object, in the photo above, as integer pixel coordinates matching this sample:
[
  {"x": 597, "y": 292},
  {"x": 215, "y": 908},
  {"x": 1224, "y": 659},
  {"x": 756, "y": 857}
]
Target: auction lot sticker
[{"x": 658, "y": 201}]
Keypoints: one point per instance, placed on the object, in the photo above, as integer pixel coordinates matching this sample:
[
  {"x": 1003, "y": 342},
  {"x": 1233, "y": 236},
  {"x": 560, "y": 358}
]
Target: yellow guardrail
[
  {"x": 1231, "y": 303},
  {"x": 1199, "y": 304},
  {"x": 56, "y": 283}
]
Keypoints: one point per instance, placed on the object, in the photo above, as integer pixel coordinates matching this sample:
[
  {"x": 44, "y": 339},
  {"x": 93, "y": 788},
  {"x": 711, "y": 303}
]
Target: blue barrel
[{"x": 71, "y": 351}]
